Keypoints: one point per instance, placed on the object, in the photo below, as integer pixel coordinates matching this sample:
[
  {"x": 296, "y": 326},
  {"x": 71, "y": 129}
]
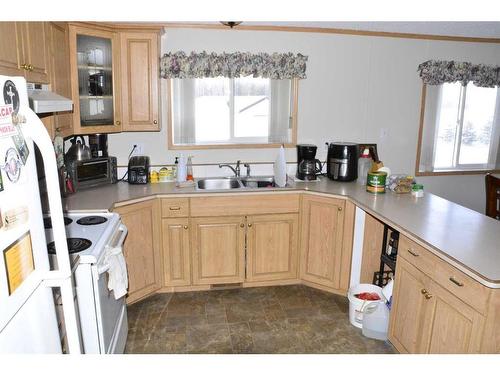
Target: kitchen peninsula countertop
[{"x": 463, "y": 237}]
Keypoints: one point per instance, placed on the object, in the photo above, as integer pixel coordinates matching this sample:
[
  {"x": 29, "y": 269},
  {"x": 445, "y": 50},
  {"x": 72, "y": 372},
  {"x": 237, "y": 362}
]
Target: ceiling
[{"x": 462, "y": 29}]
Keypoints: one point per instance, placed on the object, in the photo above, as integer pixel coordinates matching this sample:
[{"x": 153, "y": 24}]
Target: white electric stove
[{"x": 103, "y": 319}]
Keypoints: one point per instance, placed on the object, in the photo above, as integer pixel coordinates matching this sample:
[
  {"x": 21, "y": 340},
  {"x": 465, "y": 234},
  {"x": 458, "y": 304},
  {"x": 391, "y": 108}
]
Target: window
[
  {"x": 231, "y": 111},
  {"x": 460, "y": 129}
]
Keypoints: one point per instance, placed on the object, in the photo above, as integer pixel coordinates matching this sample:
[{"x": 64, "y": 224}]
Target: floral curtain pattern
[
  {"x": 231, "y": 65},
  {"x": 437, "y": 72}
]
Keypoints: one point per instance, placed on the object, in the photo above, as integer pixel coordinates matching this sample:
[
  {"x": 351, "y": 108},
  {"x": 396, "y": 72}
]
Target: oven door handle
[{"x": 121, "y": 239}]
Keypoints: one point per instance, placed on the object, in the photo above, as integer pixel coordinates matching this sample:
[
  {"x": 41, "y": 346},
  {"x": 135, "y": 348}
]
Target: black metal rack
[{"x": 381, "y": 277}]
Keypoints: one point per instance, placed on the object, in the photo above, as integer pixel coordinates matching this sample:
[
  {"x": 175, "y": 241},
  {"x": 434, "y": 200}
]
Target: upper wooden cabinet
[
  {"x": 95, "y": 77},
  {"x": 322, "y": 240},
  {"x": 24, "y": 50},
  {"x": 60, "y": 75},
  {"x": 272, "y": 242},
  {"x": 139, "y": 78},
  {"x": 142, "y": 248}
]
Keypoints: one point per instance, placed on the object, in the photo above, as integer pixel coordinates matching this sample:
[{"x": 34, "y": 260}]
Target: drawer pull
[
  {"x": 428, "y": 296},
  {"x": 423, "y": 291},
  {"x": 456, "y": 282},
  {"x": 413, "y": 252},
  {"x": 174, "y": 208}
]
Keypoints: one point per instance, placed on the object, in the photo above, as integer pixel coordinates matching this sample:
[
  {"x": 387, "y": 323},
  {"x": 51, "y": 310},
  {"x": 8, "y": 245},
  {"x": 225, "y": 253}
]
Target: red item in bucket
[{"x": 367, "y": 296}]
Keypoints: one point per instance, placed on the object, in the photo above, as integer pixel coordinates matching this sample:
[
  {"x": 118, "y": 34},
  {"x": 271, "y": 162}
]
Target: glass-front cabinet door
[{"x": 95, "y": 83}]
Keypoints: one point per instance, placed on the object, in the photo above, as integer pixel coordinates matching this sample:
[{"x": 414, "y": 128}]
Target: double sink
[{"x": 229, "y": 183}]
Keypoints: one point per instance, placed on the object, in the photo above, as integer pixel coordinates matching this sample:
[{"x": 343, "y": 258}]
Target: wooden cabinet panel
[
  {"x": 456, "y": 327},
  {"x": 322, "y": 232},
  {"x": 176, "y": 255},
  {"x": 410, "y": 310},
  {"x": 241, "y": 204},
  {"x": 142, "y": 248},
  {"x": 272, "y": 247},
  {"x": 60, "y": 75},
  {"x": 35, "y": 51},
  {"x": 11, "y": 53},
  {"x": 218, "y": 250},
  {"x": 139, "y": 69}
]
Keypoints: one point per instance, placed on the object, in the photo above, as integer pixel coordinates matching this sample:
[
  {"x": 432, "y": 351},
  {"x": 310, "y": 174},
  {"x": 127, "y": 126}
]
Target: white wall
[{"x": 355, "y": 87}]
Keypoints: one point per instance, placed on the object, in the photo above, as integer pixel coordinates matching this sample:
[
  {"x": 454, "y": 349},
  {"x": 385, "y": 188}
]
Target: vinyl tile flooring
[{"x": 279, "y": 319}]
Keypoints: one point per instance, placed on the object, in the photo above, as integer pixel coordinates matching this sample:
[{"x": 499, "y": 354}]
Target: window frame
[
  {"x": 465, "y": 170},
  {"x": 294, "y": 113}
]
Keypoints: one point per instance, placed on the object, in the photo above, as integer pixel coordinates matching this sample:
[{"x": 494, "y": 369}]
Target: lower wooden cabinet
[
  {"x": 322, "y": 240},
  {"x": 218, "y": 250},
  {"x": 427, "y": 318},
  {"x": 142, "y": 248},
  {"x": 176, "y": 252},
  {"x": 272, "y": 247}
]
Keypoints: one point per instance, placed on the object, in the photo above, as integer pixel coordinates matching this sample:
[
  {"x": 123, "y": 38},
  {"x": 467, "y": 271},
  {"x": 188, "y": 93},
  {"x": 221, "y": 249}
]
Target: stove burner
[
  {"x": 47, "y": 223},
  {"x": 75, "y": 245},
  {"x": 91, "y": 220}
]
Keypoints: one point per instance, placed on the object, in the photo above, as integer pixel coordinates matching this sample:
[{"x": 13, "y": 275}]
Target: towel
[
  {"x": 117, "y": 272},
  {"x": 280, "y": 168}
]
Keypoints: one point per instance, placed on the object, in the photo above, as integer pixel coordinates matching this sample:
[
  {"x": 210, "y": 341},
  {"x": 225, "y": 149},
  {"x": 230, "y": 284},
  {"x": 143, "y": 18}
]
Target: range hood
[{"x": 42, "y": 100}]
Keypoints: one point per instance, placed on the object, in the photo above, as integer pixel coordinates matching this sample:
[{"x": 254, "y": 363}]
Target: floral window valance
[
  {"x": 437, "y": 72},
  {"x": 232, "y": 65}
]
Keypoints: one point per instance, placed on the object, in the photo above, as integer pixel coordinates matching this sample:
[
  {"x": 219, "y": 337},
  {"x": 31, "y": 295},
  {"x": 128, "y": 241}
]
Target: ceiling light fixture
[{"x": 231, "y": 24}]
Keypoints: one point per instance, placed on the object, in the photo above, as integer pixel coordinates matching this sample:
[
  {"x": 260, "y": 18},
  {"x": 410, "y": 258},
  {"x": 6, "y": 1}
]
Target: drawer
[
  {"x": 459, "y": 284},
  {"x": 175, "y": 207},
  {"x": 417, "y": 255},
  {"x": 238, "y": 204}
]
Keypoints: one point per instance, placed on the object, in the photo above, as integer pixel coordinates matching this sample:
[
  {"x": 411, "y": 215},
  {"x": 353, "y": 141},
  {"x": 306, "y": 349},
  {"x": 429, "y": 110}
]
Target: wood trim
[
  {"x": 294, "y": 112},
  {"x": 299, "y": 29},
  {"x": 347, "y": 242}
]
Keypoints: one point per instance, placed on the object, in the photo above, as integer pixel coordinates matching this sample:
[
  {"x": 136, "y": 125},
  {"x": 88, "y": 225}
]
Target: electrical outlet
[{"x": 139, "y": 149}]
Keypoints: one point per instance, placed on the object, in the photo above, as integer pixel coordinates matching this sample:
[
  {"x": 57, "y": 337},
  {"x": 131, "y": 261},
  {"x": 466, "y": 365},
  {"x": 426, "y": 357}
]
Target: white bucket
[{"x": 356, "y": 305}]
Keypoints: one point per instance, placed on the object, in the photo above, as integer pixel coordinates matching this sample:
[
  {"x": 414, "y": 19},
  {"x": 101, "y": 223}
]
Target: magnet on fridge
[
  {"x": 1, "y": 181},
  {"x": 15, "y": 217},
  {"x": 21, "y": 146},
  {"x": 12, "y": 165}
]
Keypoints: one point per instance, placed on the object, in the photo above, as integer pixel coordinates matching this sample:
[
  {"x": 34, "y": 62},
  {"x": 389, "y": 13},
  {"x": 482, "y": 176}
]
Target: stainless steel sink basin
[
  {"x": 236, "y": 183},
  {"x": 258, "y": 182},
  {"x": 219, "y": 184}
]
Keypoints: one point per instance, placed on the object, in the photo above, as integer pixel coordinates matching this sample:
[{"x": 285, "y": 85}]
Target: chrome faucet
[{"x": 236, "y": 170}]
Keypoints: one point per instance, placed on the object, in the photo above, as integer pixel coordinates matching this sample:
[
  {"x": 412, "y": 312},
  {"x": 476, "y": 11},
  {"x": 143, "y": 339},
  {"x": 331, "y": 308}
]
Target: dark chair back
[{"x": 492, "y": 196}]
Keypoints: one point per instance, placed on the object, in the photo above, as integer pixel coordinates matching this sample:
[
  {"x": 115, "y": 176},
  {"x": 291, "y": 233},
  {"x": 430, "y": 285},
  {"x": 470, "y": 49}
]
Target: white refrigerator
[{"x": 28, "y": 319}]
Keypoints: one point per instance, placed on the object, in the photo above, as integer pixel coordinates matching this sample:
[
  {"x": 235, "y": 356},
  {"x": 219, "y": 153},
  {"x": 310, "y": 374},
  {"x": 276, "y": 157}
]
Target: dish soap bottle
[
  {"x": 189, "y": 171},
  {"x": 175, "y": 168}
]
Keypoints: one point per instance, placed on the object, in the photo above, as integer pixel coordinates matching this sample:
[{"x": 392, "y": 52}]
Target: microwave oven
[{"x": 92, "y": 172}]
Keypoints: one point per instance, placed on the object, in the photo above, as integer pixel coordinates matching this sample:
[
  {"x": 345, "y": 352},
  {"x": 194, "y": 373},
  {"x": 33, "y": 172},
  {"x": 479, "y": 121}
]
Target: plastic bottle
[
  {"x": 364, "y": 165},
  {"x": 376, "y": 320},
  {"x": 182, "y": 169},
  {"x": 175, "y": 167},
  {"x": 189, "y": 169}
]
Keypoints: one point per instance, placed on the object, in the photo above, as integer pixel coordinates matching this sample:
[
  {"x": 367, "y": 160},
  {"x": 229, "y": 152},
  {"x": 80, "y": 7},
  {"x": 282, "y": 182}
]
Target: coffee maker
[
  {"x": 308, "y": 167},
  {"x": 98, "y": 144}
]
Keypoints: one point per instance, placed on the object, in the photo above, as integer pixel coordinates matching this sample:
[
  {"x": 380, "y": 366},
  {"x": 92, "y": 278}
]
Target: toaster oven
[{"x": 92, "y": 172}]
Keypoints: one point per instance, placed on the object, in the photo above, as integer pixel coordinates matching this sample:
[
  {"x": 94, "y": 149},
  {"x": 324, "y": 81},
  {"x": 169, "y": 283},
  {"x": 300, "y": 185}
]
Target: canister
[{"x": 376, "y": 182}]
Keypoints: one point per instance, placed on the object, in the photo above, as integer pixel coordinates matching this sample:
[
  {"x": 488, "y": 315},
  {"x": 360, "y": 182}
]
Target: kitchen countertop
[{"x": 463, "y": 237}]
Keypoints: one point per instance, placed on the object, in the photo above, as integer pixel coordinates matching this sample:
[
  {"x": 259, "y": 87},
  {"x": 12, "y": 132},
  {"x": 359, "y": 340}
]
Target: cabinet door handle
[
  {"x": 30, "y": 67},
  {"x": 242, "y": 225},
  {"x": 339, "y": 208},
  {"x": 250, "y": 225},
  {"x": 456, "y": 282},
  {"x": 118, "y": 122},
  {"x": 186, "y": 227},
  {"x": 24, "y": 66},
  {"x": 155, "y": 122},
  {"x": 423, "y": 291},
  {"x": 174, "y": 208},
  {"x": 413, "y": 252},
  {"x": 428, "y": 296}
]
